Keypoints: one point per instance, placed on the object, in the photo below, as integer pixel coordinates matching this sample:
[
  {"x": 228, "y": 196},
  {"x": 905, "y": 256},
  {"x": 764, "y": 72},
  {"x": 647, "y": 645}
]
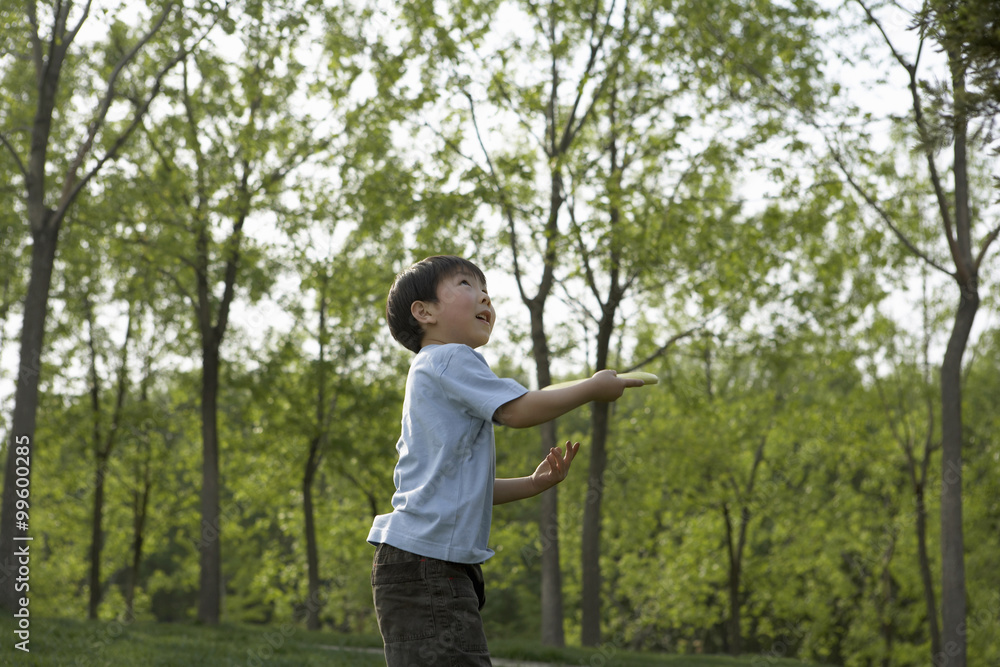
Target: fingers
[
  {"x": 566, "y": 459},
  {"x": 611, "y": 386},
  {"x": 571, "y": 449},
  {"x": 558, "y": 462},
  {"x": 554, "y": 458},
  {"x": 629, "y": 381}
]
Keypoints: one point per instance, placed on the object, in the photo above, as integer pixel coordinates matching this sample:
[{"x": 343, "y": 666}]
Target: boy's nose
[{"x": 485, "y": 299}]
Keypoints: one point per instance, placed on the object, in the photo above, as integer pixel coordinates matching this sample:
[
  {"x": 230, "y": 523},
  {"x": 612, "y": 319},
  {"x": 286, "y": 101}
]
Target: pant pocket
[
  {"x": 467, "y": 622},
  {"x": 403, "y": 604}
]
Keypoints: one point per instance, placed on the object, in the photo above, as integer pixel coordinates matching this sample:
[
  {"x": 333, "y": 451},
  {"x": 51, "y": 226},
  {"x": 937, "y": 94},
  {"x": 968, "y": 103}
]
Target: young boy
[{"x": 427, "y": 581}]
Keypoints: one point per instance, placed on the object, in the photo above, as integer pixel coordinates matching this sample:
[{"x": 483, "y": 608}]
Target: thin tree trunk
[
  {"x": 590, "y": 631},
  {"x": 315, "y": 455},
  {"x": 100, "y": 463},
  {"x": 312, "y": 550},
  {"x": 953, "y": 600},
  {"x": 140, "y": 500},
  {"x": 140, "y": 509},
  {"x": 888, "y": 594},
  {"x": 926, "y": 578},
  {"x": 552, "y": 631},
  {"x": 103, "y": 446},
  {"x": 210, "y": 548},
  {"x": 96, "y": 538},
  {"x": 953, "y": 605},
  {"x": 734, "y": 622}
]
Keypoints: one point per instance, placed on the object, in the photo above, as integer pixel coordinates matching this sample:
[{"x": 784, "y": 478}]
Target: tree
[
  {"x": 50, "y": 36},
  {"x": 221, "y": 158},
  {"x": 640, "y": 219},
  {"x": 531, "y": 213},
  {"x": 344, "y": 336},
  {"x": 940, "y": 116},
  {"x": 103, "y": 442},
  {"x": 605, "y": 88}
]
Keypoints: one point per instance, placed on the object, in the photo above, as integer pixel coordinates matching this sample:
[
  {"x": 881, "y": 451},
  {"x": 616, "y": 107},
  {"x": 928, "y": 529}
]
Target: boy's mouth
[{"x": 485, "y": 317}]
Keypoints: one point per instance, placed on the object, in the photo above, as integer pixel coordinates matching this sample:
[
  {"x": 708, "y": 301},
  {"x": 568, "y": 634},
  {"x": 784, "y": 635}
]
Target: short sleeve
[{"x": 467, "y": 379}]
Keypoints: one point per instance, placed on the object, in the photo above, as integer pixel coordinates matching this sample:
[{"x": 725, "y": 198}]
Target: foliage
[{"x": 777, "y": 418}]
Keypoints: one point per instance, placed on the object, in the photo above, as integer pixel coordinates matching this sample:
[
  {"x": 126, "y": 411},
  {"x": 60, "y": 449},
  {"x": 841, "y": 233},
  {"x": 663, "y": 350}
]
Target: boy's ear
[{"x": 422, "y": 312}]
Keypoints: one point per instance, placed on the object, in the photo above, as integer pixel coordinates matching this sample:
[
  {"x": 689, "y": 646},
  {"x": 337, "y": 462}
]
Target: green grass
[
  {"x": 609, "y": 656},
  {"x": 59, "y": 642}
]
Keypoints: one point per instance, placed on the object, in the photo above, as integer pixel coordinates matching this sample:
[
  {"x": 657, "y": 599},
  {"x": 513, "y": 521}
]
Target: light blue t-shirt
[{"x": 443, "y": 502}]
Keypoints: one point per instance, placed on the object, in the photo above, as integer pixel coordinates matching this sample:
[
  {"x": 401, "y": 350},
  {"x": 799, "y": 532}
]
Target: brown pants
[{"x": 428, "y": 610}]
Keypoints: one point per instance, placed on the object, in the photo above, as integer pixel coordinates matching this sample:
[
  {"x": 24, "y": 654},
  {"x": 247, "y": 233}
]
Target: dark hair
[{"x": 420, "y": 283}]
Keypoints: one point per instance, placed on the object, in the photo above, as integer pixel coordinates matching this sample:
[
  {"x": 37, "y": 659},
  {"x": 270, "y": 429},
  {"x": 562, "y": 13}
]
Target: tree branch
[
  {"x": 673, "y": 340},
  {"x": 569, "y": 131},
  {"x": 180, "y": 287},
  {"x": 990, "y": 238},
  {"x": 71, "y": 187},
  {"x": 505, "y": 205},
  {"x": 17, "y": 158},
  {"x": 926, "y": 145}
]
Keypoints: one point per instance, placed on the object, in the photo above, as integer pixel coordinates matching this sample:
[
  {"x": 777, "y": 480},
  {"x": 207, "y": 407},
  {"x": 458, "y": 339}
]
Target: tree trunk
[
  {"x": 97, "y": 538},
  {"x": 100, "y": 461},
  {"x": 734, "y": 622},
  {"x": 925, "y": 572},
  {"x": 140, "y": 500},
  {"x": 210, "y": 579},
  {"x": 953, "y": 608},
  {"x": 22, "y": 429},
  {"x": 139, "y": 511},
  {"x": 888, "y": 594},
  {"x": 552, "y": 631},
  {"x": 102, "y": 452},
  {"x": 312, "y": 551},
  {"x": 590, "y": 632}
]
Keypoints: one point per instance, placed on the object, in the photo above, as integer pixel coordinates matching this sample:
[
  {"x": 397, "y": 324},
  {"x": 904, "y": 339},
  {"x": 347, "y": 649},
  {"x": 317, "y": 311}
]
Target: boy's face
[{"x": 463, "y": 313}]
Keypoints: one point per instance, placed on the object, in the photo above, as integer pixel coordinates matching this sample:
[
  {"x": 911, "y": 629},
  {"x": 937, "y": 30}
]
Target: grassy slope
[{"x": 146, "y": 644}]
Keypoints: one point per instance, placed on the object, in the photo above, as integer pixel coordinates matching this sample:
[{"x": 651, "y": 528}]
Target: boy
[{"x": 427, "y": 582}]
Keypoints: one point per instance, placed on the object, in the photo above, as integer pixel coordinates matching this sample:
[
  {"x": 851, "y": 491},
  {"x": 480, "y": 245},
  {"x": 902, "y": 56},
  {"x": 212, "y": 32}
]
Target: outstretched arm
[
  {"x": 552, "y": 470},
  {"x": 538, "y": 407}
]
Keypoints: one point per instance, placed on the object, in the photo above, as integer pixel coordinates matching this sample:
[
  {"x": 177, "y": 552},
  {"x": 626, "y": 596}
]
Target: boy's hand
[
  {"x": 607, "y": 386},
  {"x": 554, "y": 468}
]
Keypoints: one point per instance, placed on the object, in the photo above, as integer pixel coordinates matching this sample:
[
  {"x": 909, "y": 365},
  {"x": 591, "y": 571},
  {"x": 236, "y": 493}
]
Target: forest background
[{"x": 786, "y": 210}]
